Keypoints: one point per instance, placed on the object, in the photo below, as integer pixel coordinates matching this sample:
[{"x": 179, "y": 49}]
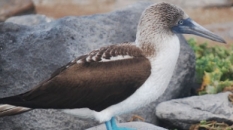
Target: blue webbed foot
[{"x": 111, "y": 125}]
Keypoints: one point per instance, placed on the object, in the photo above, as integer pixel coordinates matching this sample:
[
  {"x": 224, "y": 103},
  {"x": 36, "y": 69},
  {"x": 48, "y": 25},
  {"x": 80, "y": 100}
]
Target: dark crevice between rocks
[
  {"x": 211, "y": 124},
  {"x": 174, "y": 125}
]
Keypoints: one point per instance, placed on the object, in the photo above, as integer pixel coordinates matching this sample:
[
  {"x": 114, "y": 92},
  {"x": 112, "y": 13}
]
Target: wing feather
[{"x": 92, "y": 84}]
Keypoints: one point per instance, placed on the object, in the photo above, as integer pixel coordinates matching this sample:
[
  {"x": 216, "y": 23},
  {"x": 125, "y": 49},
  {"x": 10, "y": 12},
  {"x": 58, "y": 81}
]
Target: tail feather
[
  {"x": 12, "y": 105},
  {"x": 9, "y": 110}
]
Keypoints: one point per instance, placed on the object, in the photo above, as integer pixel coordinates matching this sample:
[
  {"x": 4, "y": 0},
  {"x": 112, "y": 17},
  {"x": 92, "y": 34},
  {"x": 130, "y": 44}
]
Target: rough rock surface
[
  {"x": 182, "y": 113},
  {"x": 136, "y": 125},
  {"x": 29, "y": 54},
  {"x": 29, "y": 20}
]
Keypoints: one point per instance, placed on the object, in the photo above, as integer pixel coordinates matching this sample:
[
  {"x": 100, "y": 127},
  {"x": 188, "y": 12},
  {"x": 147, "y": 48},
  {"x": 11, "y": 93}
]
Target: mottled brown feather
[{"x": 8, "y": 110}]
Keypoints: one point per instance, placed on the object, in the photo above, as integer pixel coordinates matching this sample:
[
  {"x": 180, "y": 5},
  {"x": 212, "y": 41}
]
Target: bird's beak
[{"x": 188, "y": 26}]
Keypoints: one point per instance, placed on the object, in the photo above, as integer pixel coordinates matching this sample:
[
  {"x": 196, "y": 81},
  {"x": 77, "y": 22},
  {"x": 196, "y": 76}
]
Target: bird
[{"x": 115, "y": 79}]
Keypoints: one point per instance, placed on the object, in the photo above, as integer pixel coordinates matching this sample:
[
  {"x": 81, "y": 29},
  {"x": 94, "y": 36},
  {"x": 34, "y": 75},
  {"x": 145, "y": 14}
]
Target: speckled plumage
[
  {"x": 155, "y": 26},
  {"x": 104, "y": 54}
]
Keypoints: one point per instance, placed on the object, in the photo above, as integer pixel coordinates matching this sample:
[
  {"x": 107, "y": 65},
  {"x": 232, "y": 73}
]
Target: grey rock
[
  {"x": 29, "y": 20},
  {"x": 182, "y": 113},
  {"x": 134, "y": 125},
  {"x": 29, "y": 54}
]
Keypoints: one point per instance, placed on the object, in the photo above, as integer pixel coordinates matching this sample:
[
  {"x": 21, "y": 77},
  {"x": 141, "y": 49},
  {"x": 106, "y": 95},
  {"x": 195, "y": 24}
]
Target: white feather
[{"x": 119, "y": 57}]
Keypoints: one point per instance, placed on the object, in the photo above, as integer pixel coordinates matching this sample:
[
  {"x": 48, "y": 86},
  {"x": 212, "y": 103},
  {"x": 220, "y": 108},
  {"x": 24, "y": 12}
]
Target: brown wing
[{"x": 90, "y": 83}]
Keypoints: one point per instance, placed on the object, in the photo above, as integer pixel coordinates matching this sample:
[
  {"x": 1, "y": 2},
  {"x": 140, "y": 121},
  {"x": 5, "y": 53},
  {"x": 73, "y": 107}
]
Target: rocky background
[
  {"x": 205, "y": 12},
  {"x": 36, "y": 38}
]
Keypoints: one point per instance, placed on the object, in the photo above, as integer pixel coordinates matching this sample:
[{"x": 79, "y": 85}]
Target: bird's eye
[{"x": 180, "y": 22}]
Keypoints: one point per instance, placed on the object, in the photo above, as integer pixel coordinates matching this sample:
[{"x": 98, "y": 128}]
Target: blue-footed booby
[{"x": 115, "y": 79}]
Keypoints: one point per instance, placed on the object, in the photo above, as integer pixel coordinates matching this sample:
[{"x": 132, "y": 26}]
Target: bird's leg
[
  {"x": 115, "y": 127},
  {"x": 108, "y": 125},
  {"x": 113, "y": 122}
]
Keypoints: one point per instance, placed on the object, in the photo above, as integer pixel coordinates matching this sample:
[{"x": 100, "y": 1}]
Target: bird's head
[{"x": 164, "y": 18}]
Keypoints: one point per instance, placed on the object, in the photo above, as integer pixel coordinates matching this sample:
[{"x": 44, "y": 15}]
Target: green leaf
[{"x": 216, "y": 63}]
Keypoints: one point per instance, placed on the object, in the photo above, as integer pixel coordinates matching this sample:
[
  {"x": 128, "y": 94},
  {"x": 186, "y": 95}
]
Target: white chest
[{"x": 163, "y": 65}]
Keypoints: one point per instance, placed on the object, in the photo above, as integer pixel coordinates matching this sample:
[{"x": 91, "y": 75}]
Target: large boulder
[
  {"x": 29, "y": 54},
  {"x": 182, "y": 113}
]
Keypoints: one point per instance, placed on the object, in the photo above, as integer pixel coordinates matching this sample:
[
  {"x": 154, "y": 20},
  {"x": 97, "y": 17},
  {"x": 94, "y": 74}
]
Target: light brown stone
[
  {"x": 12, "y": 7},
  {"x": 61, "y": 8}
]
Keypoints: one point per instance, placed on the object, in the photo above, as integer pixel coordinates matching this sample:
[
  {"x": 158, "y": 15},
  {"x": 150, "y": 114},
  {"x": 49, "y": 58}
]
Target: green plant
[{"x": 214, "y": 67}]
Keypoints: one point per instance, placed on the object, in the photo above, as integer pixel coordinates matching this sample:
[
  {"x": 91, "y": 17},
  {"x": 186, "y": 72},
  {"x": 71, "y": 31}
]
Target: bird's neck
[
  {"x": 163, "y": 52},
  {"x": 163, "y": 62},
  {"x": 153, "y": 45},
  {"x": 166, "y": 53}
]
